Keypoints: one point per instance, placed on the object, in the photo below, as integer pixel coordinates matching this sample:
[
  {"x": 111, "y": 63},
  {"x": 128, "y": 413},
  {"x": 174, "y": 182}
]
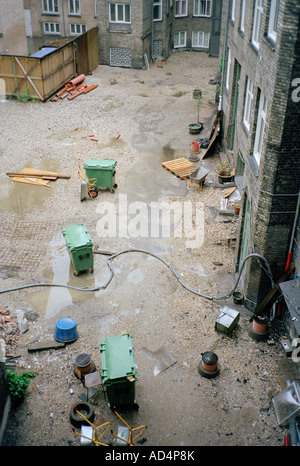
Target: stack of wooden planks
[{"x": 35, "y": 176}]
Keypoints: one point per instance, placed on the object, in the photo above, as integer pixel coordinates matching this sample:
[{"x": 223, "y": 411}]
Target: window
[
  {"x": 181, "y": 7},
  {"x": 258, "y": 10},
  {"x": 232, "y": 15},
  {"x": 50, "y": 6},
  {"x": 260, "y": 126},
  {"x": 200, "y": 39},
  {"x": 51, "y": 28},
  {"x": 248, "y": 102},
  {"x": 228, "y": 69},
  {"x": 76, "y": 29},
  {"x": 273, "y": 19},
  {"x": 119, "y": 13},
  {"x": 74, "y": 7},
  {"x": 180, "y": 39},
  {"x": 202, "y": 7},
  {"x": 242, "y": 23},
  {"x": 157, "y": 10}
]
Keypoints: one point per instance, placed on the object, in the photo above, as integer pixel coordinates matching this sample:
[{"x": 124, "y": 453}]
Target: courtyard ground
[{"x": 139, "y": 118}]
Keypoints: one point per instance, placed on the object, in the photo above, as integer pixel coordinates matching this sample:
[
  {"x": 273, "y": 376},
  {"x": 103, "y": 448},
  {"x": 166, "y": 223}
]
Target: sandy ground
[{"x": 150, "y": 111}]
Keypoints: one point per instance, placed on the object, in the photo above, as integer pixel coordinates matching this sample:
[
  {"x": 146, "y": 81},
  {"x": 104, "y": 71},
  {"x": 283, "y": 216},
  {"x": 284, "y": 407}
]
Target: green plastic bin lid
[
  {"x": 95, "y": 164},
  {"x": 76, "y": 237},
  {"x": 117, "y": 358}
]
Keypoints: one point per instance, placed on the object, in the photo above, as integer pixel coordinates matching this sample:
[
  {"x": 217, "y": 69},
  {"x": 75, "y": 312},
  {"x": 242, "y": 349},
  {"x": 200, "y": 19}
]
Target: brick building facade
[
  {"x": 136, "y": 31},
  {"x": 260, "y": 102}
]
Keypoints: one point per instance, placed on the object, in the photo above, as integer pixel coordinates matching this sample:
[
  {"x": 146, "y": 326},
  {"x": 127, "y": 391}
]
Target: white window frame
[
  {"x": 273, "y": 20},
  {"x": 117, "y": 5},
  {"x": 232, "y": 14},
  {"x": 202, "y": 8},
  {"x": 50, "y": 6},
  {"x": 260, "y": 128},
  {"x": 248, "y": 103},
  {"x": 181, "y": 8},
  {"x": 180, "y": 35},
  {"x": 228, "y": 68},
  {"x": 258, "y": 11},
  {"x": 75, "y": 26},
  {"x": 242, "y": 21},
  {"x": 200, "y": 39},
  {"x": 75, "y": 6},
  {"x": 49, "y": 23},
  {"x": 158, "y": 4}
]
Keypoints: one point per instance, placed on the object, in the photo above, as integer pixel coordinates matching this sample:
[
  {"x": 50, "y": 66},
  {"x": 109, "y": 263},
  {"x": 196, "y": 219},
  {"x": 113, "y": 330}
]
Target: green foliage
[
  {"x": 223, "y": 168},
  {"x": 18, "y": 383},
  {"x": 24, "y": 96}
]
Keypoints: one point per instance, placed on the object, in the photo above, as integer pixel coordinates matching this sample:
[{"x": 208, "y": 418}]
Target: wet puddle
[{"x": 22, "y": 198}]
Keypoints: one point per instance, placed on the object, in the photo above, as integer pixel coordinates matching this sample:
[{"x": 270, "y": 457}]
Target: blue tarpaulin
[{"x": 43, "y": 52}]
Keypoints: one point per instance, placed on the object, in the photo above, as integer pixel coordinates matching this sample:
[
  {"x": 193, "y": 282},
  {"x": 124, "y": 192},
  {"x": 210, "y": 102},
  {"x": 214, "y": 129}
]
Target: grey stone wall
[{"x": 271, "y": 186}]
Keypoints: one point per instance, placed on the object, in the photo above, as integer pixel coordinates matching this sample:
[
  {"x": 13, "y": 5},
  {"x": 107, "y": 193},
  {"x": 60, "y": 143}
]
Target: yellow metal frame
[
  {"x": 199, "y": 183},
  {"x": 130, "y": 442},
  {"x": 91, "y": 182},
  {"x": 95, "y": 438}
]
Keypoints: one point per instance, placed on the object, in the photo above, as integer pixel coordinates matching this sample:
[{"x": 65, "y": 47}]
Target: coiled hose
[{"x": 170, "y": 266}]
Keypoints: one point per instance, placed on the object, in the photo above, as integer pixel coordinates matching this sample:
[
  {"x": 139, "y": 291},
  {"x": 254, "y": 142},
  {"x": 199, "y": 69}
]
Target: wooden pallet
[{"x": 180, "y": 167}]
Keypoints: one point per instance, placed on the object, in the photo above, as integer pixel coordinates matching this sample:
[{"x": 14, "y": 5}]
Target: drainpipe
[
  {"x": 63, "y": 17},
  {"x": 152, "y": 32},
  {"x": 289, "y": 257}
]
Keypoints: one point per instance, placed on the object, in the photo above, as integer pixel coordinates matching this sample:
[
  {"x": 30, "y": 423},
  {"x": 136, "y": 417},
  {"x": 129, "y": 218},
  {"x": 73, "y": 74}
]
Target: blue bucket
[{"x": 66, "y": 330}]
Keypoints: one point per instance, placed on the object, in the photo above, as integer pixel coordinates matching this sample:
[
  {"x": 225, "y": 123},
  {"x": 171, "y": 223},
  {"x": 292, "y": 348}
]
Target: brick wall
[{"x": 271, "y": 185}]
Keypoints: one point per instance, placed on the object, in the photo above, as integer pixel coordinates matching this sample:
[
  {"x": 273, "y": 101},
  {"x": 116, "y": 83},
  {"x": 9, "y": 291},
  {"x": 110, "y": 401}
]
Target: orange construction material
[
  {"x": 75, "y": 95},
  {"x": 90, "y": 88},
  {"x": 76, "y": 80}
]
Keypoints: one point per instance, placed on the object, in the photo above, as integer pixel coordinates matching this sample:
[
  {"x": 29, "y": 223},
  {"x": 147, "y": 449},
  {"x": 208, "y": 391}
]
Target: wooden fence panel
[{"x": 46, "y": 75}]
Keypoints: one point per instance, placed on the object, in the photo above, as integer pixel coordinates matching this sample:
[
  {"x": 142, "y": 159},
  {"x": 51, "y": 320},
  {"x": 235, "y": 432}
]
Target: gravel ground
[{"x": 150, "y": 112}]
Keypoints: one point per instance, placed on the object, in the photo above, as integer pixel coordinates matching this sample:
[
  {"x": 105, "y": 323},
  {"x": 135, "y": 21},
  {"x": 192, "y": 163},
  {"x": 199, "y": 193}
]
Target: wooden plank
[
  {"x": 31, "y": 181},
  {"x": 180, "y": 167},
  {"x": 35, "y": 172},
  {"x": 273, "y": 294}
]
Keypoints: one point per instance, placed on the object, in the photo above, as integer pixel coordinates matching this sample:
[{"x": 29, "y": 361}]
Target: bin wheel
[
  {"x": 84, "y": 408},
  {"x": 115, "y": 185},
  {"x": 93, "y": 193}
]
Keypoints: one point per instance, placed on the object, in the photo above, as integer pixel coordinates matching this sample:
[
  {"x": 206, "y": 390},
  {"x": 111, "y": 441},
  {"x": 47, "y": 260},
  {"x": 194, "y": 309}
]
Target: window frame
[
  {"x": 260, "y": 127},
  {"x": 56, "y": 33},
  {"x": 228, "y": 69},
  {"x": 158, "y": 5},
  {"x": 248, "y": 103},
  {"x": 81, "y": 29},
  {"x": 232, "y": 13},
  {"x": 205, "y": 35},
  {"x": 180, "y": 45},
  {"x": 242, "y": 18},
  {"x": 273, "y": 18},
  {"x": 123, "y": 5},
  {"x": 178, "y": 6},
  {"x": 257, "y": 20},
  {"x": 47, "y": 10},
  {"x": 197, "y": 6},
  {"x": 74, "y": 2}
]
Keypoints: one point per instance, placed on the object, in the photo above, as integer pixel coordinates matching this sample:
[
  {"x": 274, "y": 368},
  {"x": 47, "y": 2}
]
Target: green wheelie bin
[
  {"x": 103, "y": 172},
  {"x": 118, "y": 370},
  {"x": 80, "y": 247}
]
